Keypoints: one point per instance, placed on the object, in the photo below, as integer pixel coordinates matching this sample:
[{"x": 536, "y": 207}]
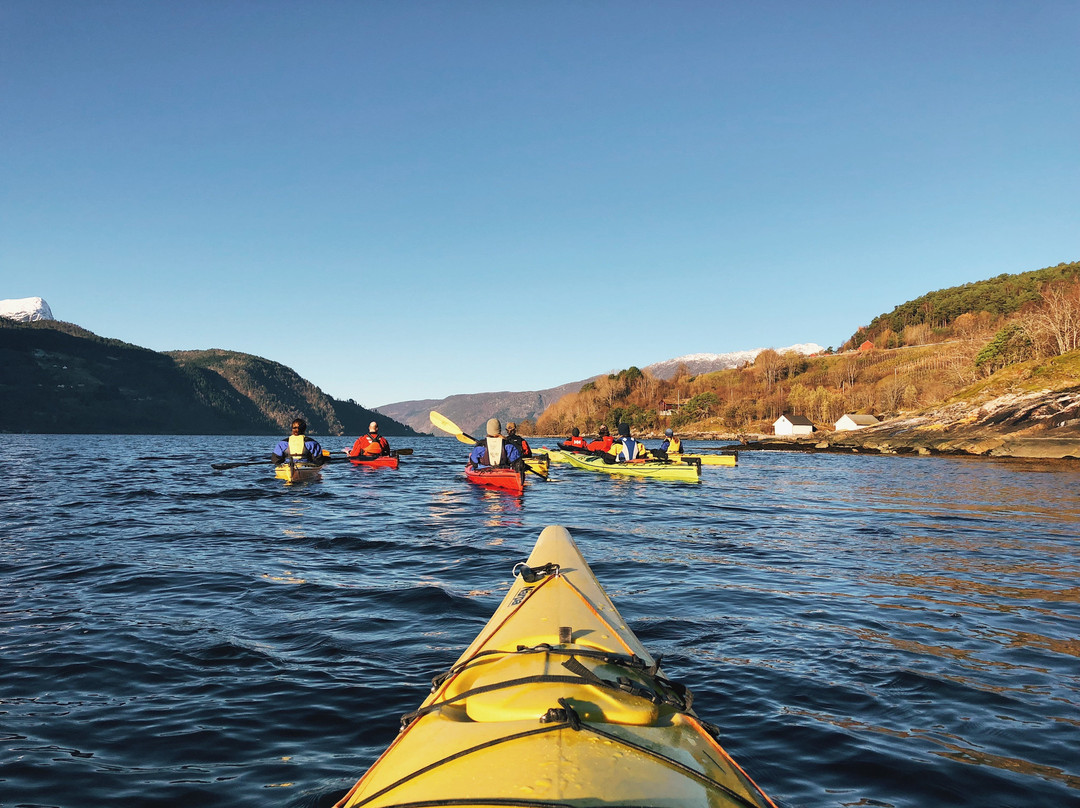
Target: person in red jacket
[
  {"x": 370, "y": 445},
  {"x": 575, "y": 441},
  {"x": 603, "y": 440}
]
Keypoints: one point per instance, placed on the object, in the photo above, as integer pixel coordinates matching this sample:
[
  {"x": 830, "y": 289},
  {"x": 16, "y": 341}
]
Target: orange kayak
[{"x": 503, "y": 479}]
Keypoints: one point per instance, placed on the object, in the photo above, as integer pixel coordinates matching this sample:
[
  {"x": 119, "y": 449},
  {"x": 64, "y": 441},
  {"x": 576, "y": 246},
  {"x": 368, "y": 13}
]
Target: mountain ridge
[
  {"x": 472, "y": 410},
  {"x": 57, "y": 377}
]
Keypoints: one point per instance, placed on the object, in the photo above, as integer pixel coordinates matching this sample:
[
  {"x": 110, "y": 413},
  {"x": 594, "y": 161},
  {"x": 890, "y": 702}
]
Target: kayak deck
[
  {"x": 297, "y": 471},
  {"x": 685, "y": 472},
  {"x": 555, "y": 703}
]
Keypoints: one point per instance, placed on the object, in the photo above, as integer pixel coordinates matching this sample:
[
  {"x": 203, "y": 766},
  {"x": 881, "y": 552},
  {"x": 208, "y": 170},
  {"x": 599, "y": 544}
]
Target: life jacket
[
  {"x": 369, "y": 440},
  {"x": 577, "y": 442},
  {"x": 674, "y": 446},
  {"x": 495, "y": 453},
  {"x": 297, "y": 447},
  {"x": 602, "y": 444},
  {"x": 629, "y": 450},
  {"x": 521, "y": 444}
]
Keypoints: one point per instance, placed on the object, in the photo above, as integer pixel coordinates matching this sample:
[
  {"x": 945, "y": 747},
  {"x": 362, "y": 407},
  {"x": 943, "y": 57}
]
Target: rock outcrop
[{"x": 1042, "y": 424}]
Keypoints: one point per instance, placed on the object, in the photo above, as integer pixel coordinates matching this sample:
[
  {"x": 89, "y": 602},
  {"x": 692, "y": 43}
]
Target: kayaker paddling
[
  {"x": 513, "y": 437},
  {"x": 627, "y": 448},
  {"x": 370, "y": 445},
  {"x": 603, "y": 440},
  {"x": 494, "y": 451},
  {"x": 298, "y": 447},
  {"x": 670, "y": 445},
  {"x": 575, "y": 443}
]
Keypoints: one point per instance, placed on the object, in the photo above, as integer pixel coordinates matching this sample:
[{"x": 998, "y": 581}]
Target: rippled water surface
[{"x": 864, "y": 630}]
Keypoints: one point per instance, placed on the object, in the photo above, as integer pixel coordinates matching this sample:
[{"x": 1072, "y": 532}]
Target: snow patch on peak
[
  {"x": 26, "y": 309},
  {"x": 708, "y": 362}
]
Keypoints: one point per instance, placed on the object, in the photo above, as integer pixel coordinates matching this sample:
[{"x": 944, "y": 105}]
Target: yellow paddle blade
[{"x": 446, "y": 425}]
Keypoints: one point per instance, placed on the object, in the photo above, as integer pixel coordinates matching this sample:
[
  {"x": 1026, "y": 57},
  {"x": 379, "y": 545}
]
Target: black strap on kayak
[
  {"x": 633, "y": 662},
  {"x": 531, "y": 575},
  {"x": 666, "y": 693},
  {"x": 562, "y": 717},
  {"x": 564, "y": 714}
]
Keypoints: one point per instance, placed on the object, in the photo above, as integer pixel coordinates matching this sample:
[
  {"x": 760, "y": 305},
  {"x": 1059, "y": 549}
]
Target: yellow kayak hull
[
  {"x": 555, "y": 703},
  {"x": 706, "y": 459},
  {"x": 296, "y": 472},
  {"x": 538, "y": 463}
]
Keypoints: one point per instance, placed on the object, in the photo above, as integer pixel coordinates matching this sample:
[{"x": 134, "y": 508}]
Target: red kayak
[
  {"x": 389, "y": 461},
  {"x": 503, "y": 479}
]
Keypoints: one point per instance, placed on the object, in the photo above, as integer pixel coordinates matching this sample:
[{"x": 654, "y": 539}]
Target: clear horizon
[{"x": 411, "y": 200}]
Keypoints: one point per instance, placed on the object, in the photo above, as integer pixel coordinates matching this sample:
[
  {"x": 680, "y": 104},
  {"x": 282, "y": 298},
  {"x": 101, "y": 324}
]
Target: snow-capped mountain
[
  {"x": 707, "y": 362},
  {"x": 26, "y": 309}
]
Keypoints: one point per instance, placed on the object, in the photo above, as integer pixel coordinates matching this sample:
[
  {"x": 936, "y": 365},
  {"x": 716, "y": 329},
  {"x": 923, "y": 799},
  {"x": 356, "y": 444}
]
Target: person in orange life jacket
[
  {"x": 494, "y": 451},
  {"x": 575, "y": 441},
  {"x": 372, "y": 444},
  {"x": 298, "y": 446},
  {"x": 513, "y": 437},
  {"x": 603, "y": 441},
  {"x": 626, "y": 448}
]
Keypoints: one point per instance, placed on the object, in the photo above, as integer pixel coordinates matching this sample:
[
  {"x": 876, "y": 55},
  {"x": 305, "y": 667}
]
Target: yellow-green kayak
[
  {"x": 555, "y": 703},
  {"x": 556, "y": 455},
  {"x": 706, "y": 459},
  {"x": 654, "y": 469}
]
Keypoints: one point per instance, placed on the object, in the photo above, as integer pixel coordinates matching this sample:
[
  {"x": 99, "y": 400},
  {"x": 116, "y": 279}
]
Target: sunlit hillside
[{"x": 918, "y": 356}]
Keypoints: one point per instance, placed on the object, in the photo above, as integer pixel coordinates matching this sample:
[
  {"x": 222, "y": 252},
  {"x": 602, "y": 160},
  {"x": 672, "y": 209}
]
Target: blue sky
[{"x": 409, "y": 200}]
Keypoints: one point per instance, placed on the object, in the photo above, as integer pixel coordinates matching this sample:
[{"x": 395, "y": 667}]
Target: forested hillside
[
  {"x": 57, "y": 377},
  {"x": 279, "y": 393},
  {"x": 918, "y": 356},
  {"x": 934, "y": 316}
]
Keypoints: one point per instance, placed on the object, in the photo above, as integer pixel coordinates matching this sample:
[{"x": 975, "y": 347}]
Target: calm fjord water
[{"x": 863, "y": 630}]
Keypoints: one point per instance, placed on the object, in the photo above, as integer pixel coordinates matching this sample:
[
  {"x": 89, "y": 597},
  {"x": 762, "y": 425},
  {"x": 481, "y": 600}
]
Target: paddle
[
  {"x": 446, "y": 425},
  {"x": 223, "y": 466},
  {"x": 362, "y": 456}
]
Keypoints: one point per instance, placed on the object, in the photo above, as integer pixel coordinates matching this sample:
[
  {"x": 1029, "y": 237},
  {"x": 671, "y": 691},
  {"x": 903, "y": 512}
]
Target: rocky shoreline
[{"x": 1042, "y": 425}]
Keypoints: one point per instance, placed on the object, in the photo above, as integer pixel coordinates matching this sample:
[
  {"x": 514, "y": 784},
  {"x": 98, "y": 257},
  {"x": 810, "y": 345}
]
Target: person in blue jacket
[
  {"x": 298, "y": 446},
  {"x": 494, "y": 451}
]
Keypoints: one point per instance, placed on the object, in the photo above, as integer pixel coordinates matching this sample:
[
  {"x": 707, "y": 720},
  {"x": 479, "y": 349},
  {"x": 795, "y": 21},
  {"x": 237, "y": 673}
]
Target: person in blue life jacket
[
  {"x": 493, "y": 451},
  {"x": 298, "y": 446},
  {"x": 626, "y": 448}
]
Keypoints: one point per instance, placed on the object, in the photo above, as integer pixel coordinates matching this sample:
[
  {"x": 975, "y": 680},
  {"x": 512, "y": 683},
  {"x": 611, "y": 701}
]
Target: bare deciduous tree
[{"x": 1054, "y": 326}]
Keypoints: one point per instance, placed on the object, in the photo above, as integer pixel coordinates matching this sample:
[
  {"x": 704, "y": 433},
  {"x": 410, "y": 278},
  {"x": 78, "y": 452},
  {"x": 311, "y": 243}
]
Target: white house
[
  {"x": 793, "y": 425},
  {"x": 854, "y": 421}
]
